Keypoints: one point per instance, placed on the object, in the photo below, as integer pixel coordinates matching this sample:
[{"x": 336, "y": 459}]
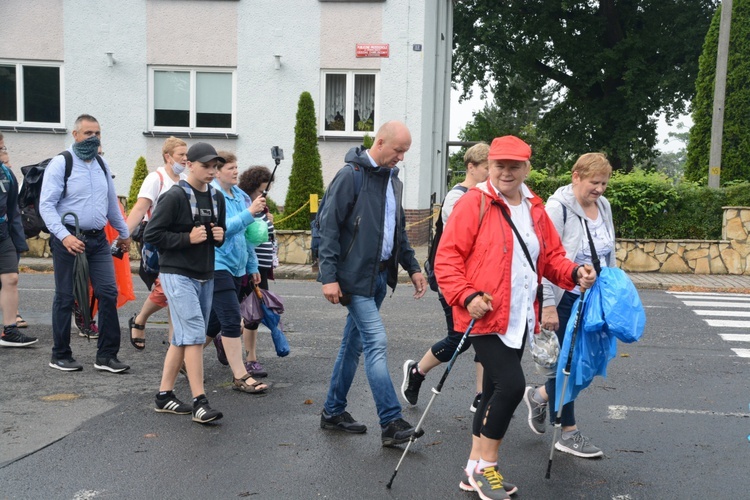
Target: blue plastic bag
[{"x": 621, "y": 306}]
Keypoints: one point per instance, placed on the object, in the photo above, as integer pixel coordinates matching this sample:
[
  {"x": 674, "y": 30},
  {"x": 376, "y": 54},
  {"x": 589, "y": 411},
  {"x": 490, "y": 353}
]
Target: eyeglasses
[{"x": 3, "y": 148}]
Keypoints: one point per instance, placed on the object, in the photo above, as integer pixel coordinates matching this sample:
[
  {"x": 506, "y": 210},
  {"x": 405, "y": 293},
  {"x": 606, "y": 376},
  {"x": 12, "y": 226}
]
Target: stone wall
[{"x": 730, "y": 255}]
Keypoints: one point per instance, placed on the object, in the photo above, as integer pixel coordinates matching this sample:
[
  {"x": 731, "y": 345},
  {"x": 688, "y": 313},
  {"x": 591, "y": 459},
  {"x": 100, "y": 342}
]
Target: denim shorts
[{"x": 189, "y": 307}]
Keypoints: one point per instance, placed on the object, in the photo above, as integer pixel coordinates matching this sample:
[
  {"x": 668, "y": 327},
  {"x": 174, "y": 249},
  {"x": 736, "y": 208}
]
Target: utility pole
[{"x": 720, "y": 88}]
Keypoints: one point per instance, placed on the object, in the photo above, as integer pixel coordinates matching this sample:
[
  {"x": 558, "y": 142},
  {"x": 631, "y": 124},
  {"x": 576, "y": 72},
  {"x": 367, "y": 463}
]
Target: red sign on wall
[{"x": 372, "y": 50}]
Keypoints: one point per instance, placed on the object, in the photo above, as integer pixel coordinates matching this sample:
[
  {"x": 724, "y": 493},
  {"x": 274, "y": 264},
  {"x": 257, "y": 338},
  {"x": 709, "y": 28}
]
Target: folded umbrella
[{"x": 81, "y": 277}]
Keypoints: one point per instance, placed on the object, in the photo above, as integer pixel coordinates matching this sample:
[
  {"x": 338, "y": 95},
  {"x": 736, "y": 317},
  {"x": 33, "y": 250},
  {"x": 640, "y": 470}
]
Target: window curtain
[
  {"x": 364, "y": 95},
  {"x": 335, "y": 97}
]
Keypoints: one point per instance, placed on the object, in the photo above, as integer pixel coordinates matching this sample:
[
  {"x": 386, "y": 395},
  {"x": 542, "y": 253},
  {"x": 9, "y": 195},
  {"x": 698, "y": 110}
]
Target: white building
[{"x": 228, "y": 72}]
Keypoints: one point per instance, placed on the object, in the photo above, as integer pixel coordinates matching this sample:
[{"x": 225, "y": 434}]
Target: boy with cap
[
  {"x": 499, "y": 244},
  {"x": 186, "y": 225}
]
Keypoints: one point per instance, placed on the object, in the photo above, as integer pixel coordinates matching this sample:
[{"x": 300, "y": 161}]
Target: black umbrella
[{"x": 81, "y": 279}]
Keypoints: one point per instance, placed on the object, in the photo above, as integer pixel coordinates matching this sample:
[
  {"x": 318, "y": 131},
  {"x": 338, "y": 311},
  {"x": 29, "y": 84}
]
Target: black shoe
[
  {"x": 412, "y": 382},
  {"x": 398, "y": 431},
  {"x": 11, "y": 337},
  {"x": 66, "y": 365},
  {"x": 111, "y": 365},
  {"x": 343, "y": 422},
  {"x": 170, "y": 404},
  {"x": 203, "y": 414}
]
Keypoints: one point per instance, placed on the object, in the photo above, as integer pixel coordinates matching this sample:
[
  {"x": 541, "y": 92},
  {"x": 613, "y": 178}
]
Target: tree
[
  {"x": 139, "y": 174},
  {"x": 307, "y": 174},
  {"x": 611, "y": 65},
  {"x": 735, "y": 156}
]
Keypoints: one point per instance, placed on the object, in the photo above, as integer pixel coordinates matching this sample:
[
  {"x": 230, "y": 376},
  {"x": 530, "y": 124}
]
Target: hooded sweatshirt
[{"x": 569, "y": 223}]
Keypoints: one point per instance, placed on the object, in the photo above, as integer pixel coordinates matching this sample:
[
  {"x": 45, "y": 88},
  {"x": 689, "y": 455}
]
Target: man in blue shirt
[{"x": 89, "y": 193}]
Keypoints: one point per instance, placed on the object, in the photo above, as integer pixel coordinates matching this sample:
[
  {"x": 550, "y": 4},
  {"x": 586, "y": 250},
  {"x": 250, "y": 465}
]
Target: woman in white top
[
  {"x": 174, "y": 153},
  {"x": 573, "y": 209}
]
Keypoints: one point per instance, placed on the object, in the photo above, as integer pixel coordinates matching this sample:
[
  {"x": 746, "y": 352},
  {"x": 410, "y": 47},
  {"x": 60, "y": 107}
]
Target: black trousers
[{"x": 503, "y": 385}]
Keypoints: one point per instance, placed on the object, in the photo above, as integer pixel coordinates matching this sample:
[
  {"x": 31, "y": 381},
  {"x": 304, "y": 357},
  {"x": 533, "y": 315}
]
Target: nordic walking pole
[
  {"x": 435, "y": 391},
  {"x": 566, "y": 375}
]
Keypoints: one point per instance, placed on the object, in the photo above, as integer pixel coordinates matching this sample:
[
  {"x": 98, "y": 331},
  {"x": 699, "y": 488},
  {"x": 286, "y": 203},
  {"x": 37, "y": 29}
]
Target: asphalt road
[{"x": 671, "y": 417}]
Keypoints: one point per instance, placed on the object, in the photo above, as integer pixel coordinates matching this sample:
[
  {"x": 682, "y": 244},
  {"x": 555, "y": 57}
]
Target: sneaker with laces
[
  {"x": 110, "y": 365},
  {"x": 255, "y": 369},
  {"x": 475, "y": 403},
  {"x": 397, "y": 432},
  {"x": 170, "y": 404},
  {"x": 578, "y": 445},
  {"x": 66, "y": 365},
  {"x": 203, "y": 414},
  {"x": 488, "y": 484},
  {"x": 412, "y": 382},
  {"x": 11, "y": 337},
  {"x": 221, "y": 355},
  {"x": 537, "y": 412},
  {"x": 343, "y": 422},
  {"x": 465, "y": 485}
]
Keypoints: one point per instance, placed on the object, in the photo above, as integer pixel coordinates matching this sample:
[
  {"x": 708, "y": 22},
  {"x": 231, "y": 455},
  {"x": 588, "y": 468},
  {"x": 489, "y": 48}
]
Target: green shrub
[
  {"x": 307, "y": 174},
  {"x": 139, "y": 174}
]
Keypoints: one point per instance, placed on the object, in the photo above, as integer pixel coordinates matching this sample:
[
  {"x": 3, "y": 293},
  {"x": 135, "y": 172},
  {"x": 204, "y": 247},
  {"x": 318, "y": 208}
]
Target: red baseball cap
[{"x": 509, "y": 147}]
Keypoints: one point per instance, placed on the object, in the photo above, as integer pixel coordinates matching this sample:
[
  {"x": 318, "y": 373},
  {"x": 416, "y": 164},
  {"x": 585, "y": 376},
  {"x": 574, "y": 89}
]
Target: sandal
[
  {"x": 138, "y": 343},
  {"x": 240, "y": 384},
  {"x": 20, "y": 322}
]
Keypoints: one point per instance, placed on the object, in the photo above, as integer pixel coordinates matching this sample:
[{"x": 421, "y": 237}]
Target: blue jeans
[
  {"x": 102, "y": 275},
  {"x": 364, "y": 330},
  {"x": 568, "y": 416}
]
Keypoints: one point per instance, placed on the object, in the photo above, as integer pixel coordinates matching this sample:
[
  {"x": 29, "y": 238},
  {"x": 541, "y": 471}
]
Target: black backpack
[
  {"x": 429, "y": 264},
  {"x": 315, "y": 224},
  {"x": 28, "y": 197}
]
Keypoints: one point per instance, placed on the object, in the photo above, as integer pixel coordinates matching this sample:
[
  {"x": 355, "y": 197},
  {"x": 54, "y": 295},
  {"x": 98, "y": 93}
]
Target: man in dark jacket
[
  {"x": 12, "y": 243},
  {"x": 363, "y": 239}
]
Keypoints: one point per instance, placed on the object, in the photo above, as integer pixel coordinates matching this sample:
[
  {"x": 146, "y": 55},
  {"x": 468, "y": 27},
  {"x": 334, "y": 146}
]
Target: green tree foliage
[
  {"x": 307, "y": 174},
  {"x": 611, "y": 65},
  {"x": 139, "y": 174},
  {"x": 735, "y": 157}
]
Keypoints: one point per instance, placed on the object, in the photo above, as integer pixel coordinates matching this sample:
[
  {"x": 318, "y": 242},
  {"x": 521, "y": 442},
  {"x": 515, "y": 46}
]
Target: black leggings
[
  {"x": 443, "y": 349},
  {"x": 502, "y": 386}
]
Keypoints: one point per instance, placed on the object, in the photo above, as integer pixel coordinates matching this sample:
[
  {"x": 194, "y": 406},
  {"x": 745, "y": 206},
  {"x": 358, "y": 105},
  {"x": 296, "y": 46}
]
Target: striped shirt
[{"x": 264, "y": 251}]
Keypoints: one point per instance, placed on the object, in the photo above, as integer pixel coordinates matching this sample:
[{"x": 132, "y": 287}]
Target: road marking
[
  {"x": 743, "y": 353},
  {"x": 737, "y": 314},
  {"x": 619, "y": 412},
  {"x": 727, "y": 323},
  {"x": 735, "y": 337},
  {"x": 710, "y": 296},
  {"x": 701, "y": 303}
]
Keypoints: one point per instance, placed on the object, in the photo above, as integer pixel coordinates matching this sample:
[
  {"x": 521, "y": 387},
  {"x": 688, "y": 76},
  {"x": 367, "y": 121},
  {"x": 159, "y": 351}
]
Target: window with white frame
[
  {"x": 31, "y": 94},
  {"x": 192, "y": 99},
  {"x": 350, "y": 101}
]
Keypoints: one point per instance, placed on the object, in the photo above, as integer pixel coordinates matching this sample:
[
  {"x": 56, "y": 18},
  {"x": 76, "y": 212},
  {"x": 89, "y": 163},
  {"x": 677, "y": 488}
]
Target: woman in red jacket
[{"x": 501, "y": 243}]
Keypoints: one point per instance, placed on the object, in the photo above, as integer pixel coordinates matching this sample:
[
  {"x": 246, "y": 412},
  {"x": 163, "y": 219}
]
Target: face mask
[
  {"x": 86, "y": 150},
  {"x": 177, "y": 168}
]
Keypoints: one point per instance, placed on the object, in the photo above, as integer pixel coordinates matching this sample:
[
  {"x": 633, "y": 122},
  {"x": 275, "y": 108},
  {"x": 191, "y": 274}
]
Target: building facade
[{"x": 229, "y": 72}]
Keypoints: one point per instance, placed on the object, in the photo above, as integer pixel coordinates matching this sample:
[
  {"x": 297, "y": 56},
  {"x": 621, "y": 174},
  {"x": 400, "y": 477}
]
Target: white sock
[
  {"x": 483, "y": 464},
  {"x": 470, "y": 466}
]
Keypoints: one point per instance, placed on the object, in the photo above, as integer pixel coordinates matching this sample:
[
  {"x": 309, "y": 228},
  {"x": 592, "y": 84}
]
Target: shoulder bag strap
[
  {"x": 594, "y": 256},
  {"x": 518, "y": 237}
]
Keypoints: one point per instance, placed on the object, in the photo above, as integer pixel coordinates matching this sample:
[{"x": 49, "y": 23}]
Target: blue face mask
[
  {"x": 86, "y": 150},
  {"x": 177, "y": 167}
]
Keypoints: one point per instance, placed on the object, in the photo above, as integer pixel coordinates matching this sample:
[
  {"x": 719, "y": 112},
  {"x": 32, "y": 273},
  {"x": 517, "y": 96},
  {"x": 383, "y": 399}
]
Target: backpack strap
[
  {"x": 193, "y": 202},
  {"x": 161, "y": 186},
  {"x": 69, "y": 169}
]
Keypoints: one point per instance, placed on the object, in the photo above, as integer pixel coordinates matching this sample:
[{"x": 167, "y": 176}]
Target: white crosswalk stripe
[{"x": 726, "y": 311}]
